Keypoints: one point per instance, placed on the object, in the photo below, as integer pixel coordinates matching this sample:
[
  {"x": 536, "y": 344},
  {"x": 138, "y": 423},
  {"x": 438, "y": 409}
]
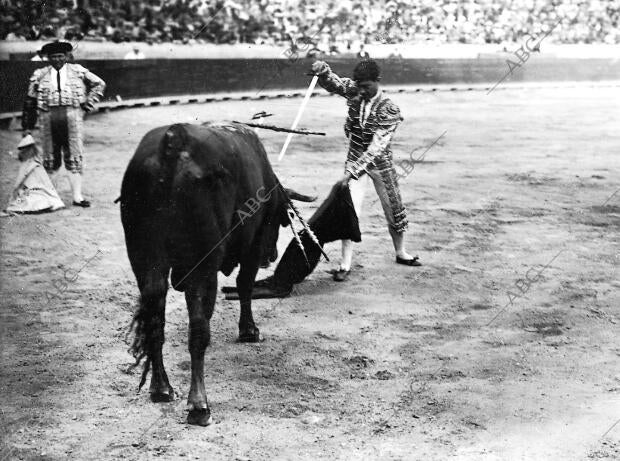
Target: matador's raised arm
[{"x": 332, "y": 82}]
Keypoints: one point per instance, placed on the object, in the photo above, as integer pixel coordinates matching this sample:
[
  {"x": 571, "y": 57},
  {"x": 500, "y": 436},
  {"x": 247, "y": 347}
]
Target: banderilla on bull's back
[{"x": 279, "y": 128}]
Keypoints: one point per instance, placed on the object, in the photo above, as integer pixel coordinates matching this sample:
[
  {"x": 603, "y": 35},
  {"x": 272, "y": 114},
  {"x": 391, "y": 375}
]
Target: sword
[{"x": 304, "y": 103}]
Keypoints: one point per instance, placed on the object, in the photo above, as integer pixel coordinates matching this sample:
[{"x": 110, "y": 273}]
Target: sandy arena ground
[{"x": 425, "y": 363}]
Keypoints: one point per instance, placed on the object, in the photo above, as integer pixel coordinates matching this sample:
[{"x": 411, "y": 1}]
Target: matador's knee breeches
[
  {"x": 385, "y": 179},
  {"x": 62, "y": 133}
]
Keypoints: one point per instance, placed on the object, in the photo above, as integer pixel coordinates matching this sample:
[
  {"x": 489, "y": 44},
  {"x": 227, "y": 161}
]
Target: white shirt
[
  {"x": 63, "y": 77},
  {"x": 365, "y": 108},
  {"x": 134, "y": 55}
]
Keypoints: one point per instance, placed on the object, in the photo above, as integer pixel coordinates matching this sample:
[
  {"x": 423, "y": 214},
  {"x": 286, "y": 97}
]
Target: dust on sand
[{"x": 398, "y": 363}]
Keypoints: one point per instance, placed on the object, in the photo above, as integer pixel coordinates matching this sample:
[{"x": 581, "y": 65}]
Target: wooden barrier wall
[{"x": 153, "y": 78}]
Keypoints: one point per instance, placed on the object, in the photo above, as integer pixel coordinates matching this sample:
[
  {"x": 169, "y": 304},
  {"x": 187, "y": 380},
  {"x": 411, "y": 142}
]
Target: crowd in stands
[{"x": 330, "y": 25}]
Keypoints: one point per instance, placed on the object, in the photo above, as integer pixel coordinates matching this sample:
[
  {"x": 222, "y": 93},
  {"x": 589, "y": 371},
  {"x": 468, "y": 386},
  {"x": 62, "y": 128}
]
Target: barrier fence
[{"x": 161, "y": 78}]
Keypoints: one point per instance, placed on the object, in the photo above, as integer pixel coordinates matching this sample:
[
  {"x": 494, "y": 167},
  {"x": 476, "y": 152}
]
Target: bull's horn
[{"x": 299, "y": 197}]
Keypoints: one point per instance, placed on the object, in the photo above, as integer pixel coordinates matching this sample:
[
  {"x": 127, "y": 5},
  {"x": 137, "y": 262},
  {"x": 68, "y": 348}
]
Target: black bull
[{"x": 196, "y": 200}]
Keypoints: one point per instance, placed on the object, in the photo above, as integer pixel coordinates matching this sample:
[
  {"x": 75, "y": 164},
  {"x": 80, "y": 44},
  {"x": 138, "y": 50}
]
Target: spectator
[
  {"x": 275, "y": 21},
  {"x": 362, "y": 53},
  {"x": 395, "y": 54},
  {"x": 39, "y": 56},
  {"x": 135, "y": 54}
]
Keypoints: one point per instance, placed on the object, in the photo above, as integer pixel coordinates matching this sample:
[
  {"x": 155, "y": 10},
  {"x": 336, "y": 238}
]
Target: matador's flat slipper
[
  {"x": 341, "y": 275},
  {"x": 408, "y": 262},
  {"x": 83, "y": 203}
]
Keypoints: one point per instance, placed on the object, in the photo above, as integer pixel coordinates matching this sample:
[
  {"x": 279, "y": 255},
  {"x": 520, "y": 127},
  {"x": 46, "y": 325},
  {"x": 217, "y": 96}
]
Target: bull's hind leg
[
  {"x": 248, "y": 332},
  {"x": 151, "y": 321},
  {"x": 200, "y": 297}
]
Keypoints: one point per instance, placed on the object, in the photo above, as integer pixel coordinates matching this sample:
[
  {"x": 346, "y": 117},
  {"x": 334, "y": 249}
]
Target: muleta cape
[{"x": 334, "y": 220}]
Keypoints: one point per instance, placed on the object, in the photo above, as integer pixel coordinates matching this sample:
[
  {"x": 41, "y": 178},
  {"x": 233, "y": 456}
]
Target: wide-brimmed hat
[
  {"x": 26, "y": 141},
  {"x": 56, "y": 47}
]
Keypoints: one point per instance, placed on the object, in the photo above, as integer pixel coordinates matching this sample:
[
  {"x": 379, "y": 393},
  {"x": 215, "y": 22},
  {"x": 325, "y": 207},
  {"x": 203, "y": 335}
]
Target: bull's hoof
[
  {"x": 199, "y": 417},
  {"x": 251, "y": 335},
  {"x": 161, "y": 396}
]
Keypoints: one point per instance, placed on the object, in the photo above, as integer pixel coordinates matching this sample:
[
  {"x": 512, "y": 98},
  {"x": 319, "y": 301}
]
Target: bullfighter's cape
[{"x": 334, "y": 220}]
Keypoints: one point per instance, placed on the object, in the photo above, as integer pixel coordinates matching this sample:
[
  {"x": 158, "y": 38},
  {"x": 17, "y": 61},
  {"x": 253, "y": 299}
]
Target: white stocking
[
  {"x": 357, "y": 189},
  {"x": 76, "y": 186}
]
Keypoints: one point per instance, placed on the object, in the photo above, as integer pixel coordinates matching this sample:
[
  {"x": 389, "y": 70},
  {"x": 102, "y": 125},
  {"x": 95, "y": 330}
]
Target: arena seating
[{"x": 331, "y": 26}]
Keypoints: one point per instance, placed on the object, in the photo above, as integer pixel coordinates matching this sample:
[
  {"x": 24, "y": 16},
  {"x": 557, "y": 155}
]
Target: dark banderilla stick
[{"x": 279, "y": 128}]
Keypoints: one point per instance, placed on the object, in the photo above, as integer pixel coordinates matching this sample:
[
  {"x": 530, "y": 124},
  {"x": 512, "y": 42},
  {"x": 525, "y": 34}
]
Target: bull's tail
[{"x": 140, "y": 344}]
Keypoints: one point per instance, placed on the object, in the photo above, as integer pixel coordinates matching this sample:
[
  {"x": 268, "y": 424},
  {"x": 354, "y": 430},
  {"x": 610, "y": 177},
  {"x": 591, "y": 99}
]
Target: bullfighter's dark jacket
[{"x": 369, "y": 144}]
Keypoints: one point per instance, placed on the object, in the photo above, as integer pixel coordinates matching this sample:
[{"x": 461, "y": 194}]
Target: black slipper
[
  {"x": 408, "y": 262},
  {"x": 341, "y": 275},
  {"x": 83, "y": 203}
]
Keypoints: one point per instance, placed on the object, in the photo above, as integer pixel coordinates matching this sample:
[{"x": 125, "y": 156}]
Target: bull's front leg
[
  {"x": 200, "y": 297},
  {"x": 248, "y": 332}
]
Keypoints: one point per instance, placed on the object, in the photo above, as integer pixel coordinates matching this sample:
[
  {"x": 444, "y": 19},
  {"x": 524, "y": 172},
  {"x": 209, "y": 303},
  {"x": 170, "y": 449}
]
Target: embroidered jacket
[
  {"x": 369, "y": 145},
  {"x": 80, "y": 87}
]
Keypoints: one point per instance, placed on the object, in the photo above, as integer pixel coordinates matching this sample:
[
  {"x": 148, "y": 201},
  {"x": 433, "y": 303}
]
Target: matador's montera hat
[
  {"x": 367, "y": 70},
  {"x": 56, "y": 47}
]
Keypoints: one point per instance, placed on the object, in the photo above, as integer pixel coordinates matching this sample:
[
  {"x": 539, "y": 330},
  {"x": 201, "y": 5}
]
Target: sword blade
[{"x": 304, "y": 103}]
